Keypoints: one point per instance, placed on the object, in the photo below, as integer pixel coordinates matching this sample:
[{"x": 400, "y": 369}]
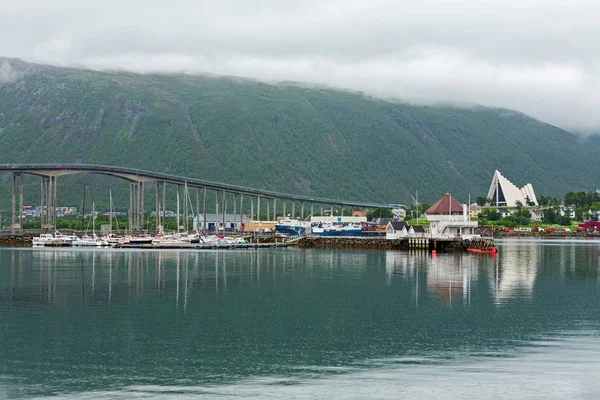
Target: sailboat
[
  {"x": 111, "y": 239},
  {"x": 90, "y": 240}
]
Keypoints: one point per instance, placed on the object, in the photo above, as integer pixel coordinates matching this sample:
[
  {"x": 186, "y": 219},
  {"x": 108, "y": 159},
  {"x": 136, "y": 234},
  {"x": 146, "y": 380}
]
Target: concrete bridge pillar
[
  {"x": 186, "y": 211},
  {"x": 47, "y": 203},
  {"x": 54, "y": 201},
  {"x": 224, "y": 211},
  {"x": 258, "y": 208},
  {"x": 156, "y": 208},
  {"x": 235, "y": 227},
  {"x": 302, "y": 210},
  {"x": 141, "y": 205},
  {"x": 17, "y": 185},
  {"x": 164, "y": 206},
  {"x": 204, "y": 210},
  {"x": 178, "y": 221},
  {"x": 197, "y": 213},
  {"x": 130, "y": 214},
  {"x": 216, "y": 211},
  {"x": 293, "y": 209},
  {"x": 284, "y": 204},
  {"x": 241, "y": 210}
]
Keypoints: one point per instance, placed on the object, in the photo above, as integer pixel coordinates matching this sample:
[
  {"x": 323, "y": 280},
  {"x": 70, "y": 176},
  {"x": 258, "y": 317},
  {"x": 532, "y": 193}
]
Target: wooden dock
[{"x": 203, "y": 246}]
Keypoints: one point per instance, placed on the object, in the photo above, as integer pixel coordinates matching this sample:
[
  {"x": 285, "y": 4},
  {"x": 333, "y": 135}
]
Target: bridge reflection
[{"x": 67, "y": 277}]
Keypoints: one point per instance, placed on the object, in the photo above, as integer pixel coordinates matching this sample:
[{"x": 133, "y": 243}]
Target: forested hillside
[{"x": 288, "y": 138}]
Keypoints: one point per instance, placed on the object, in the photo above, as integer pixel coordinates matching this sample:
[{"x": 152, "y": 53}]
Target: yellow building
[{"x": 259, "y": 226}]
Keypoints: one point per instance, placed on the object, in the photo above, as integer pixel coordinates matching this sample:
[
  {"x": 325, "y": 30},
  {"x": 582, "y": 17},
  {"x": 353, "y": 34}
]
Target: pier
[{"x": 408, "y": 244}]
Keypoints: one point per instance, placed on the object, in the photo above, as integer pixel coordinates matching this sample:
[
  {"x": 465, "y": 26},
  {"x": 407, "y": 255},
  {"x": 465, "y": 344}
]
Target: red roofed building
[
  {"x": 449, "y": 218},
  {"x": 447, "y": 205}
]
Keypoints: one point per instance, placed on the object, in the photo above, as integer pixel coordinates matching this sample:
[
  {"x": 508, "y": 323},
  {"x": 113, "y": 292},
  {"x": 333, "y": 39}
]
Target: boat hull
[
  {"x": 340, "y": 233},
  {"x": 290, "y": 230}
]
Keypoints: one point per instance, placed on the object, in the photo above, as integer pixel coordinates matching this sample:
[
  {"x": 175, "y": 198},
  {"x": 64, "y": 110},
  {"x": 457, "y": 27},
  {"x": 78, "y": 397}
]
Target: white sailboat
[{"x": 93, "y": 240}]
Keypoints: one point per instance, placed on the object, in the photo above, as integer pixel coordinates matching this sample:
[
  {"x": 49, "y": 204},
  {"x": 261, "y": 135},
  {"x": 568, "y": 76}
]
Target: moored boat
[
  {"x": 292, "y": 227},
  {"x": 42, "y": 239},
  {"x": 60, "y": 240},
  {"x": 327, "y": 229}
]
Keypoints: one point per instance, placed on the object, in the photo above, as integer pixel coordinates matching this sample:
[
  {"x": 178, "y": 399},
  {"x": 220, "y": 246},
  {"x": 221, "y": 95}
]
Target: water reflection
[
  {"x": 515, "y": 271},
  {"x": 449, "y": 277},
  {"x": 77, "y": 321}
]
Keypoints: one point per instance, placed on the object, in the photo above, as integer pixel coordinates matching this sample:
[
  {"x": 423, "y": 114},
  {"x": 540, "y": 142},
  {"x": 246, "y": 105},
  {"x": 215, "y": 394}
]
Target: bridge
[{"x": 139, "y": 181}]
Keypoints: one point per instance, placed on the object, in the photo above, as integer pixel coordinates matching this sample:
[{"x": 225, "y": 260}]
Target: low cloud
[
  {"x": 8, "y": 73},
  {"x": 535, "y": 57}
]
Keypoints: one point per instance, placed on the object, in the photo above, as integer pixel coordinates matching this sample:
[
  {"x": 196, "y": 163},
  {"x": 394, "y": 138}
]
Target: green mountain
[{"x": 281, "y": 137}]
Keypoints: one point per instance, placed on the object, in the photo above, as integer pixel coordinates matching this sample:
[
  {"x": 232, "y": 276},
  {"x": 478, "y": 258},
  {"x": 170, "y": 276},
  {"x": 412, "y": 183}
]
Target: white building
[
  {"x": 568, "y": 211},
  {"x": 214, "y": 221},
  {"x": 504, "y": 193},
  {"x": 398, "y": 230},
  {"x": 536, "y": 216},
  {"x": 448, "y": 218}
]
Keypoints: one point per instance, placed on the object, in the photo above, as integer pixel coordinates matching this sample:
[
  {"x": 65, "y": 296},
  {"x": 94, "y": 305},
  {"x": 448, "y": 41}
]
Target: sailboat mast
[{"x": 83, "y": 208}]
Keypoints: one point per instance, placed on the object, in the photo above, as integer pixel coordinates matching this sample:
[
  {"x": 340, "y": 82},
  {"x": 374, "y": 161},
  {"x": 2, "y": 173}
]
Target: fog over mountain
[{"x": 537, "y": 57}]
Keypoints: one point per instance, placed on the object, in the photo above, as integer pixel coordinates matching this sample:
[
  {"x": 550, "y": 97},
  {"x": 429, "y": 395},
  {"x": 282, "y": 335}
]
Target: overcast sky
[{"x": 538, "y": 57}]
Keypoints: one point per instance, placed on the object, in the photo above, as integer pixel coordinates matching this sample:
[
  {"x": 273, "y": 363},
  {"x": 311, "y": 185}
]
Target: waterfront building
[
  {"x": 566, "y": 211},
  {"x": 474, "y": 210},
  {"x": 417, "y": 231},
  {"x": 382, "y": 223},
  {"x": 504, "y": 193},
  {"x": 396, "y": 230},
  {"x": 399, "y": 213},
  {"x": 214, "y": 221},
  {"x": 260, "y": 226},
  {"x": 449, "y": 218},
  {"x": 536, "y": 216}
]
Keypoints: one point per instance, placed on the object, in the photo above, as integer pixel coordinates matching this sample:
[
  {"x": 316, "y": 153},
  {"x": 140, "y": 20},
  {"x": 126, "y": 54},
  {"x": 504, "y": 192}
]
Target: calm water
[{"x": 86, "y": 324}]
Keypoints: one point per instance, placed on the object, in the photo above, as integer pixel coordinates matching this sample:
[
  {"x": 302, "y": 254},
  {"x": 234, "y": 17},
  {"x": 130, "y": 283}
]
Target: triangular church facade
[{"x": 504, "y": 193}]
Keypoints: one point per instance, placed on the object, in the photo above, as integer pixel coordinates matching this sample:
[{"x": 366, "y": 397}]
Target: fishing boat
[
  {"x": 292, "y": 227},
  {"x": 329, "y": 229}
]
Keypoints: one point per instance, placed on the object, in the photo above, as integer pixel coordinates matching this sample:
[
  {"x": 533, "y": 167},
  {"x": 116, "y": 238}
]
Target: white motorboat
[
  {"x": 89, "y": 241},
  {"x": 42, "y": 239},
  {"x": 60, "y": 240}
]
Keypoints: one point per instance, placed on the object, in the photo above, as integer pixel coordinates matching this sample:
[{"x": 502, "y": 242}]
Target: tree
[
  {"x": 564, "y": 221},
  {"x": 380, "y": 212},
  {"x": 528, "y": 202},
  {"x": 490, "y": 214},
  {"x": 481, "y": 200},
  {"x": 550, "y": 216}
]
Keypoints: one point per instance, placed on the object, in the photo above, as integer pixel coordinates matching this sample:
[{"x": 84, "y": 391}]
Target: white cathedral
[{"x": 504, "y": 193}]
